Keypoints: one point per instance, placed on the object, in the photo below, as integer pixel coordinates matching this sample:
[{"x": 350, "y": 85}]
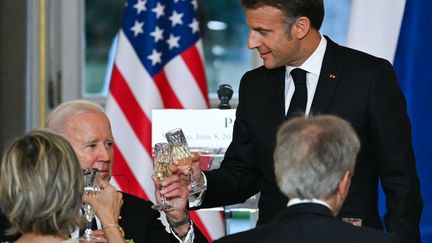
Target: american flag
[{"x": 158, "y": 65}]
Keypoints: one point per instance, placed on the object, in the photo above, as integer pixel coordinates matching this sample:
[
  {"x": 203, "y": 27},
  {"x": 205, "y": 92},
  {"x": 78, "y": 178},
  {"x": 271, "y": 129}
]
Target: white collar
[
  {"x": 294, "y": 201},
  {"x": 314, "y": 62}
]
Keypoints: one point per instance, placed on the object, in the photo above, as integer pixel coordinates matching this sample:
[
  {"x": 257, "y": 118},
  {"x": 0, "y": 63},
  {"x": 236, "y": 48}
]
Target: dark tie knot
[{"x": 299, "y": 76}]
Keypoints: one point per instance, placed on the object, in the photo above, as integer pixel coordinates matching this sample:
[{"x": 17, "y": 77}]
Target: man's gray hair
[
  {"x": 61, "y": 114},
  {"x": 312, "y": 154}
]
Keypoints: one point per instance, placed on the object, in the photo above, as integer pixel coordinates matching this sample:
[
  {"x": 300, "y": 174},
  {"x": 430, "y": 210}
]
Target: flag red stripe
[
  {"x": 195, "y": 64},
  {"x": 222, "y": 215},
  {"x": 169, "y": 98},
  {"x": 124, "y": 176},
  {"x": 198, "y": 222},
  {"x": 129, "y": 94},
  {"x": 131, "y": 109}
]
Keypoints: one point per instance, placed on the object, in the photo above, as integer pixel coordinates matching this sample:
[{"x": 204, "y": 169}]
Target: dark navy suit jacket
[
  {"x": 308, "y": 223},
  {"x": 355, "y": 86}
]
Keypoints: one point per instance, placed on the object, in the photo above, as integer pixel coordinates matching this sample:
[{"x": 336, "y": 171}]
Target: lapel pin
[{"x": 332, "y": 76}]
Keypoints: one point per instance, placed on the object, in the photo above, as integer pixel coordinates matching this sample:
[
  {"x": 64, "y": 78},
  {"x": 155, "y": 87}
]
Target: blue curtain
[{"x": 413, "y": 65}]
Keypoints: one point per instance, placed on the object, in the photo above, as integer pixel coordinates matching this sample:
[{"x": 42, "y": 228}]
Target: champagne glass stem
[
  {"x": 91, "y": 176},
  {"x": 194, "y": 187}
]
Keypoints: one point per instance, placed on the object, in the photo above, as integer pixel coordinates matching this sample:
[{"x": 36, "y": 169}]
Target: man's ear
[
  {"x": 301, "y": 27},
  {"x": 337, "y": 199},
  {"x": 344, "y": 185}
]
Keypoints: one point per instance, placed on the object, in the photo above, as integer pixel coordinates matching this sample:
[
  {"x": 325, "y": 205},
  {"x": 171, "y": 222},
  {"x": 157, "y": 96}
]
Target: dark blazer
[
  {"x": 138, "y": 220},
  {"x": 308, "y": 223},
  {"x": 352, "y": 85}
]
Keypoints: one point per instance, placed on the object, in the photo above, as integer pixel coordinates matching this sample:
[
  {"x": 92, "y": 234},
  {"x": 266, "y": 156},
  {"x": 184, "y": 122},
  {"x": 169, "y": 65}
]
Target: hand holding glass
[
  {"x": 162, "y": 164},
  {"x": 181, "y": 153}
]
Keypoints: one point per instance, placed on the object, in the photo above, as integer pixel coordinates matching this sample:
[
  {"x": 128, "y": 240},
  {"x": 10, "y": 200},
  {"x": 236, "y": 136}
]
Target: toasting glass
[
  {"x": 180, "y": 152},
  {"x": 91, "y": 176},
  {"x": 162, "y": 170}
]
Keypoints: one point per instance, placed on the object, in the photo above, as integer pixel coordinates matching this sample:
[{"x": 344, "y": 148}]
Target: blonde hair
[{"x": 41, "y": 184}]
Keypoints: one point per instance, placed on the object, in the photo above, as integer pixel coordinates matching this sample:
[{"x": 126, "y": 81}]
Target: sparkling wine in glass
[
  {"x": 91, "y": 176},
  {"x": 162, "y": 163},
  {"x": 180, "y": 152}
]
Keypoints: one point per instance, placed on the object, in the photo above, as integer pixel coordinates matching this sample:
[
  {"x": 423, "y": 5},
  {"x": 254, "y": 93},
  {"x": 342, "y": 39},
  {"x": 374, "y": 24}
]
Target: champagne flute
[
  {"x": 180, "y": 152},
  {"x": 162, "y": 164},
  {"x": 91, "y": 176}
]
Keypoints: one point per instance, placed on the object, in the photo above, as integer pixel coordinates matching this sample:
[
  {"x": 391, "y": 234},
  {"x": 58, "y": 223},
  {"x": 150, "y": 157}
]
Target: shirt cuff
[{"x": 190, "y": 236}]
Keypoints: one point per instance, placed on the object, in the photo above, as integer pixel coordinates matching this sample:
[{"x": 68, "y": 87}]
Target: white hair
[
  {"x": 312, "y": 154},
  {"x": 60, "y": 115}
]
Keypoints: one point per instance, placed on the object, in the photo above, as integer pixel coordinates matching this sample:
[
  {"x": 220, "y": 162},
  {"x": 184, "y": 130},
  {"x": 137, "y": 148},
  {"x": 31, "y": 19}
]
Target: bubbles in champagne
[
  {"x": 162, "y": 161},
  {"x": 162, "y": 171},
  {"x": 182, "y": 155}
]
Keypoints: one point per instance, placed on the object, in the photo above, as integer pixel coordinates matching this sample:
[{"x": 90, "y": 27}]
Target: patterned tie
[{"x": 299, "y": 99}]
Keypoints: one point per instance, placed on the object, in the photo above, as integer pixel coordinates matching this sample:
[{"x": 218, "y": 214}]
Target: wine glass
[
  {"x": 162, "y": 164},
  {"x": 180, "y": 152},
  {"x": 91, "y": 176}
]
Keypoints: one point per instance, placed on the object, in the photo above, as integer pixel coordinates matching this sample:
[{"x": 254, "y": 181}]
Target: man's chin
[
  {"x": 105, "y": 176},
  {"x": 270, "y": 65}
]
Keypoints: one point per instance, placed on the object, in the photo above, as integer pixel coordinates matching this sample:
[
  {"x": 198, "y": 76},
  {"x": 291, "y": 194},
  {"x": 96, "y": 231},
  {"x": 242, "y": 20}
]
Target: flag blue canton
[{"x": 160, "y": 30}]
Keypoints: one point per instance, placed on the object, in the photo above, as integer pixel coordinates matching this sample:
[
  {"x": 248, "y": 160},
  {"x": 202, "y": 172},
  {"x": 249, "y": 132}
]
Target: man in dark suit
[
  {"x": 314, "y": 162},
  {"x": 350, "y": 84},
  {"x": 87, "y": 128}
]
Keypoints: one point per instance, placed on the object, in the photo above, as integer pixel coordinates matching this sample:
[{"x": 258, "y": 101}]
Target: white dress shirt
[{"x": 312, "y": 66}]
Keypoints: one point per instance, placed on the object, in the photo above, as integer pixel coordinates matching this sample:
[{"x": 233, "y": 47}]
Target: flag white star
[
  {"x": 137, "y": 28},
  {"x": 194, "y": 4},
  {"x": 155, "y": 57},
  {"x": 176, "y": 18},
  {"x": 173, "y": 41},
  {"x": 140, "y": 6},
  {"x": 159, "y": 10},
  {"x": 194, "y": 26},
  {"x": 157, "y": 34}
]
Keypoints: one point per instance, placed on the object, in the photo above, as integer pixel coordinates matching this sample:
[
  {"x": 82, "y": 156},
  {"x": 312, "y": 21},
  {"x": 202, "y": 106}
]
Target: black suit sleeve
[
  {"x": 141, "y": 223},
  {"x": 391, "y": 131},
  {"x": 237, "y": 178}
]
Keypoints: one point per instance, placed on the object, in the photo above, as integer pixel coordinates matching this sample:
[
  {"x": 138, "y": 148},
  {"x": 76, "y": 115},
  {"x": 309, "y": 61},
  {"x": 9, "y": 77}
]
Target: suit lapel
[{"x": 331, "y": 71}]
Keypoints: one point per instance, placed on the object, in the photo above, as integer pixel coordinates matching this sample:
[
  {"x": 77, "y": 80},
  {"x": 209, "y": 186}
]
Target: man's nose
[
  {"x": 105, "y": 154},
  {"x": 253, "y": 41}
]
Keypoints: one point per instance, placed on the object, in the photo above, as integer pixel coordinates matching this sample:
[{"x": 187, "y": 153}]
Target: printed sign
[{"x": 209, "y": 128}]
